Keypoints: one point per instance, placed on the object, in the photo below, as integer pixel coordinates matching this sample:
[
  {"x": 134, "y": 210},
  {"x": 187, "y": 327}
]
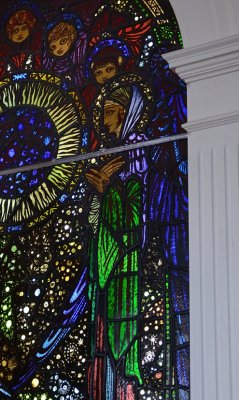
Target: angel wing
[{"x": 133, "y": 34}]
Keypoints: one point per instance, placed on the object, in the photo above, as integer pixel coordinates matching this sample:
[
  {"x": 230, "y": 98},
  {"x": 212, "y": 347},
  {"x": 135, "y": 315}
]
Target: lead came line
[{"x": 86, "y": 156}]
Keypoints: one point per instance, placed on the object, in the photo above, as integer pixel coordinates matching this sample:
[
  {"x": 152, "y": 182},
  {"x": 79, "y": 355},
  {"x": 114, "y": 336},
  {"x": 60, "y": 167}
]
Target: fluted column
[{"x": 212, "y": 74}]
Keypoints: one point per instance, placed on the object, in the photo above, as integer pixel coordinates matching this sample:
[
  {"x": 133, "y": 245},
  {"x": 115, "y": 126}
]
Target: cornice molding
[
  {"x": 207, "y": 60},
  {"x": 211, "y": 122}
]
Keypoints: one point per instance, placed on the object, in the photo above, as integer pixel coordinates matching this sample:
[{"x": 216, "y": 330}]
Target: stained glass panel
[{"x": 94, "y": 211}]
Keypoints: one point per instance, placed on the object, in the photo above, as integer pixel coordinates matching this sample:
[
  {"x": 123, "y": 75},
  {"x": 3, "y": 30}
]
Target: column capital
[
  {"x": 211, "y": 72},
  {"x": 207, "y": 60}
]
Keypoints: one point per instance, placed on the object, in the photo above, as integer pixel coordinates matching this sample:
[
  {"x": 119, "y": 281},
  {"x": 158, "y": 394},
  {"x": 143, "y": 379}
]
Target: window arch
[{"x": 93, "y": 219}]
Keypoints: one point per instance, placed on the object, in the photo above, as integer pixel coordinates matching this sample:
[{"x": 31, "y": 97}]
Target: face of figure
[
  {"x": 20, "y": 33},
  {"x": 105, "y": 72},
  {"x": 113, "y": 117},
  {"x": 60, "y": 46}
]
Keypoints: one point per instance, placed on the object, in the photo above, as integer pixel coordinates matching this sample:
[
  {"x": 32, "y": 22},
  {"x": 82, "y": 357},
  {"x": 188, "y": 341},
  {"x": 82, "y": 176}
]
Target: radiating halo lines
[{"x": 45, "y": 92}]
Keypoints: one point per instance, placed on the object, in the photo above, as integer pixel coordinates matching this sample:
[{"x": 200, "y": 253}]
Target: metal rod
[{"x": 86, "y": 156}]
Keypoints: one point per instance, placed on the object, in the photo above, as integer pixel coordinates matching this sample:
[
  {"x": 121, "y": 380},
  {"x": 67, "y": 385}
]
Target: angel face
[
  {"x": 105, "y": 72},
  {"x": 60, "y": 46},
  {"x": 19, "y": 25},
  {"x": 20, "y": 33},
  {"x": 113, "y": 117},
  {"x": 61, "y": 38}
]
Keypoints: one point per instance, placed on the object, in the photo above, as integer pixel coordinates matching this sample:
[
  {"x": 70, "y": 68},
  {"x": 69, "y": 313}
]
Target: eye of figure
[
  {"x": 15, "y": 30},
  {"x": 64, "y": 40},
  {"x": 53, "y": 47},
  {"x": 24, "y": 27},
  {"x": 110, "y": 69},
  {"x": 98, "y": 72},
  {"x": 109, "y": 112}
]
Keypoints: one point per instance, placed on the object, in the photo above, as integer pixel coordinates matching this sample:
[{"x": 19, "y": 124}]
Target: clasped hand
[{"x": 101, "y": 178}]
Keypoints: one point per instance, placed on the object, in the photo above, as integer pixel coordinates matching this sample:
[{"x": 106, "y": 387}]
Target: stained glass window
[{"x": 93, "y": 202}]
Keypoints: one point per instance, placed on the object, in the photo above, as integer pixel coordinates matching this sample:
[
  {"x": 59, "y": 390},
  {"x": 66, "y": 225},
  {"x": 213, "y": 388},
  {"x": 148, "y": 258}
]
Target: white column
[{"x": 211, "y": 72}]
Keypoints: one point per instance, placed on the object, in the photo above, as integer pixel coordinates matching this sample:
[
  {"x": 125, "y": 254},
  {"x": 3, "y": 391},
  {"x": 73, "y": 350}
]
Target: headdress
[
  {"x": 134, "y": 94},
  {"x": 120, "y": 96}
]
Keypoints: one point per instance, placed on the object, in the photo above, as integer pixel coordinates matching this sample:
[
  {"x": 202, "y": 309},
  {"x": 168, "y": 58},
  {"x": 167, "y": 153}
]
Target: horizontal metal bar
[{"x": 99, "y": 153}]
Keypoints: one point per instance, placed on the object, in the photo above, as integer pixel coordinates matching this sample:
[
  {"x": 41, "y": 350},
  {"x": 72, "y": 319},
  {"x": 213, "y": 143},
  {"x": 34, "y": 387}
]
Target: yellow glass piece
[
  {"x": 4, "y": 82},
  {"x": 9, "y": 324},
  {"x": 45, "y": 77},
  {"x": 79, "y": 105},
  {"x": 35, "y": 382}
]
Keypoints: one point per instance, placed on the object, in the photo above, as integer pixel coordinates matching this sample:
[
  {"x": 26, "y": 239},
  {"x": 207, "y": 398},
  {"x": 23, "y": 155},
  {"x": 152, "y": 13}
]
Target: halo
[
  {"x": 128, "y": 80},
  {"x": 42, "y": 93},
  {"x": 66, "y": 17}
]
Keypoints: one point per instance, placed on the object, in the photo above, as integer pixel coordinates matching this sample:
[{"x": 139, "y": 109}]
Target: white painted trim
[
  {"x": 211, "y": 122},
  {"x": 207, "y": 60}
]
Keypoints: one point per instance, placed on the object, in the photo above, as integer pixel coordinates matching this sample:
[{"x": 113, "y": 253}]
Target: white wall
[
  {"x": 210, "y": 66},
  {"x": 203, "y": 21}
]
